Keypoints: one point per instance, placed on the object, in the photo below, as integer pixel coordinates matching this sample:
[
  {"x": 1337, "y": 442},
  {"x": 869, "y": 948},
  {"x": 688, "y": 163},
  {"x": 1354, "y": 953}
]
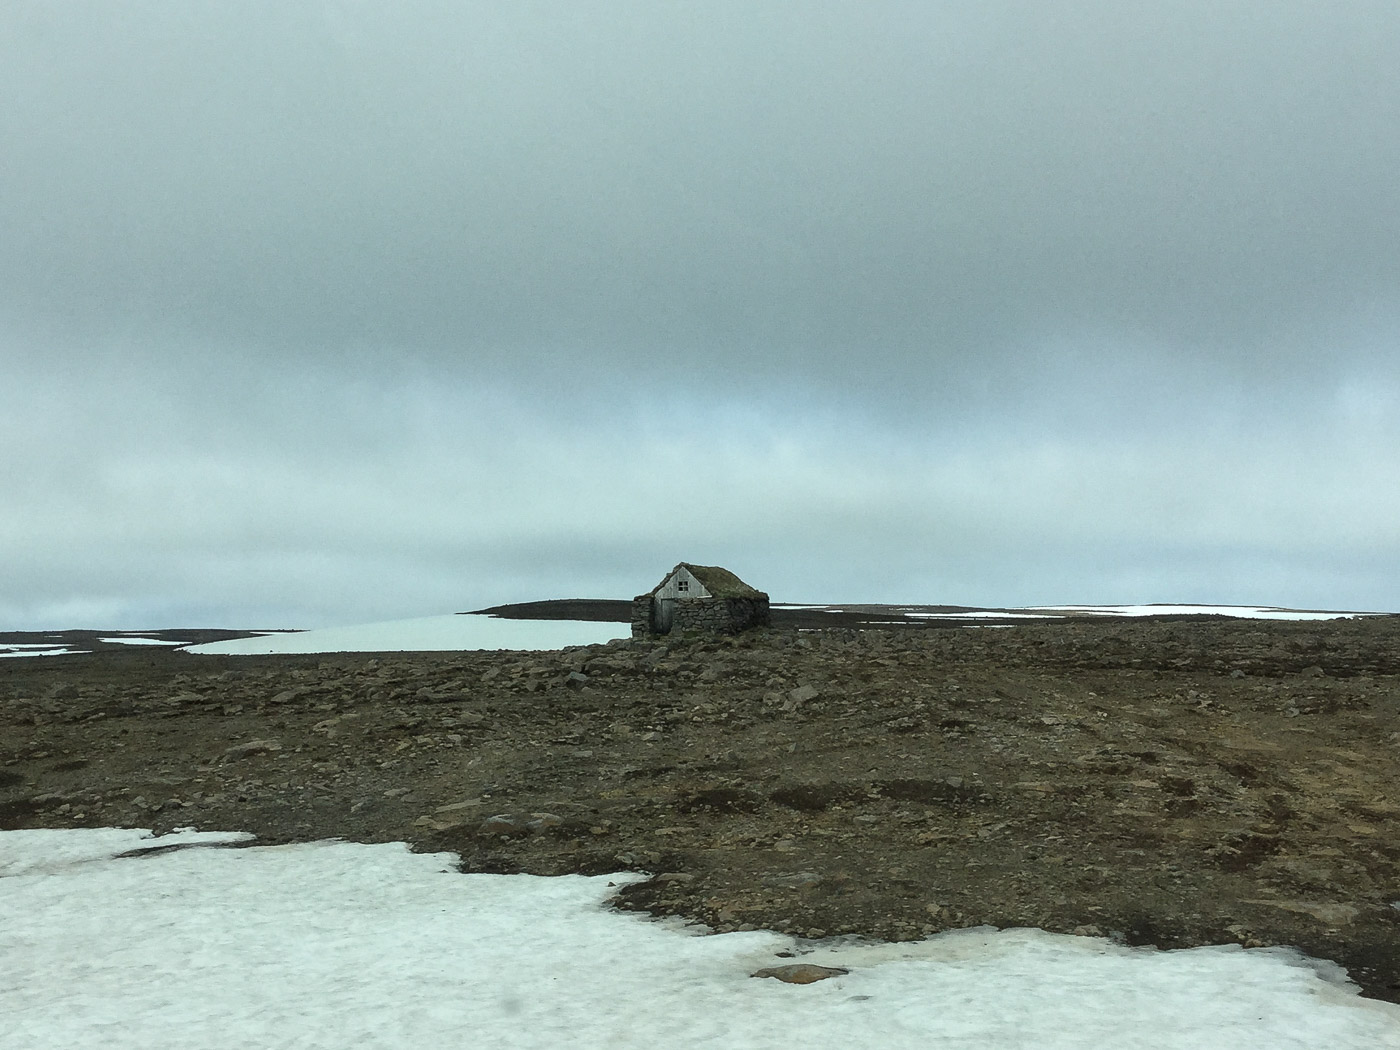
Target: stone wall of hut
[
  {"x": 709, "y": 615},
  {"x": 641, "y": 616}
]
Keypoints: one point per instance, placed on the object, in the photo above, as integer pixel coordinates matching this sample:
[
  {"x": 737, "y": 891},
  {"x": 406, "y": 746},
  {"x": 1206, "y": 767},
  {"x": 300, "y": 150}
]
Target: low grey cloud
[{"x": 330, "y": 311}]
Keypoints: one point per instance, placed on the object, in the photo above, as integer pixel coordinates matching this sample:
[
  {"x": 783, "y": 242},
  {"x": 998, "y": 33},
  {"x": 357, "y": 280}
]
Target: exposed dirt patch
[{"x": 1173, "y": 783}]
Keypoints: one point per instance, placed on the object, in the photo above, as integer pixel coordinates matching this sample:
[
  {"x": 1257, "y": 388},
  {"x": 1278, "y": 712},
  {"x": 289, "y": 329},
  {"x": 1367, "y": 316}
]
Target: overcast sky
[{"x": 318, "y": 313}]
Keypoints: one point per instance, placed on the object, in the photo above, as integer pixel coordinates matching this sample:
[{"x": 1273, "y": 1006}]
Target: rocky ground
[{"x": 1172, "y": 782}]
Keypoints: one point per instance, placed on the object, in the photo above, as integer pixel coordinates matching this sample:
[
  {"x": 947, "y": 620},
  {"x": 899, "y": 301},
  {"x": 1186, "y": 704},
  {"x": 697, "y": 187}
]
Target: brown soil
[{"x": 1167, "y": 782}]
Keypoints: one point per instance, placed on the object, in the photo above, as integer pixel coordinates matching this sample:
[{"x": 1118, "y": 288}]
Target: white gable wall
[{"x": 673, "y": 588}]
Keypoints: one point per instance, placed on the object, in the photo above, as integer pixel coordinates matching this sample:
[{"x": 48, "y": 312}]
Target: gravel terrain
[{"x": 1172, "y": 782}]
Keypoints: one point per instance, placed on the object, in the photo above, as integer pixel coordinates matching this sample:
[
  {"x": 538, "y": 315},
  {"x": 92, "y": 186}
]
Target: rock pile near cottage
[{"x": 1168, "y": 782}]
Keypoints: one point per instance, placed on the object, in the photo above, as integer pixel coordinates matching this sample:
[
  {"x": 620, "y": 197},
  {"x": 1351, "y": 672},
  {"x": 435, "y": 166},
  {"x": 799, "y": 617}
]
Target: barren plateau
[{"x": 1172, "y": 782}]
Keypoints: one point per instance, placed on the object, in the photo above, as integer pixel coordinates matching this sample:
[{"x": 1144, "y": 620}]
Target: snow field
[
  {"x": 38, "y": 650},
  {"x": 1245, "y": 612},
  {"x": 427, "y": 634},
  {"x": 337, "y": 945}
]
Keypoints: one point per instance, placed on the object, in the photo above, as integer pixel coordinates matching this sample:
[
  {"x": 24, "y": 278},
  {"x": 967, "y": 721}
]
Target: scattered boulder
[
  {"x": 721, "y": 799},
  {"x": 512, "y": 825},
  {"x": 1326, "y": 912},
  {"x": 800, "y": 973},
  {"x": 504, "y": 825},
  {"x": 252, "y": 747}
]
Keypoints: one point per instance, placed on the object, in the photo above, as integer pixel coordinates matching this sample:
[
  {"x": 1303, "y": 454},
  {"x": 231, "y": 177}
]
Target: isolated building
[{"x": 698, "y": 598}]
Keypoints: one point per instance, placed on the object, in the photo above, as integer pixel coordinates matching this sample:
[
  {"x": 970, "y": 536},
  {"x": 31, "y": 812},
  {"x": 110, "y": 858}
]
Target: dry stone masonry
[{"x": 701, "y": 598}]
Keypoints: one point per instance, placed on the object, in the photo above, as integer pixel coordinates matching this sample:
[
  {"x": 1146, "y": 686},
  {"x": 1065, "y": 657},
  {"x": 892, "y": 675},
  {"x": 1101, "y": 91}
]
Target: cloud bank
[{"x": 341, "y": 311}]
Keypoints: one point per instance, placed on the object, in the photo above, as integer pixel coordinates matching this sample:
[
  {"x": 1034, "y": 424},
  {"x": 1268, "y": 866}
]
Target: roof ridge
[{"x": 719, "y": 581}]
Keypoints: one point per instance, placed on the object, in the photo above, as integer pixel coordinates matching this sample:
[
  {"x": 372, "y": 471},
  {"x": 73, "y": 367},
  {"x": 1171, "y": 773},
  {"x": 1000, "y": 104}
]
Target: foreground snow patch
[
  {"x": 338, "y": 945},
  {"x": 427, "y": 634},
  {"x": 45, "y": 851}
]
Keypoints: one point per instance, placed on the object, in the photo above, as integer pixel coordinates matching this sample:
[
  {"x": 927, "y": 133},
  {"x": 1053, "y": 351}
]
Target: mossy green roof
[{"x": 721, "y": 583}]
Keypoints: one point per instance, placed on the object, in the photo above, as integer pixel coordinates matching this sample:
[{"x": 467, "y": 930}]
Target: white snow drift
[{"x": 336, "y": 945}]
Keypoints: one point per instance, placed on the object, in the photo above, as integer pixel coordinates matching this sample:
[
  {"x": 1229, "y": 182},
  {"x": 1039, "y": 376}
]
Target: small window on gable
[{"x": 682, "y": 585}]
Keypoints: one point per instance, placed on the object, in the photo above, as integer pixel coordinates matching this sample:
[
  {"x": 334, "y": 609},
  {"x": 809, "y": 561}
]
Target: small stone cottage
[{"x": 698, "y": 598}]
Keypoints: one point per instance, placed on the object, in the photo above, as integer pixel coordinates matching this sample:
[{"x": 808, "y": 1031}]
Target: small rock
[
  {"x": 252, "y": 747},
  {"x": 803, "y": 880},
  {"x": 505, "y": 825},
  {"x": 434, "y": 824},
  {"x": 803, "y": 693},
  {"x": 576, "y": 680},
  {"x": 675, "y": 876},
  {"x": 800, "y": 973},
  {"x": 1333, "y": 914},
  {"x": 454, "y": 807}
]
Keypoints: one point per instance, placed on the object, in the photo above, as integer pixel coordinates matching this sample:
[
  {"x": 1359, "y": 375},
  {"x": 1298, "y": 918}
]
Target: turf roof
[{"x": 720, "y": 582}]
